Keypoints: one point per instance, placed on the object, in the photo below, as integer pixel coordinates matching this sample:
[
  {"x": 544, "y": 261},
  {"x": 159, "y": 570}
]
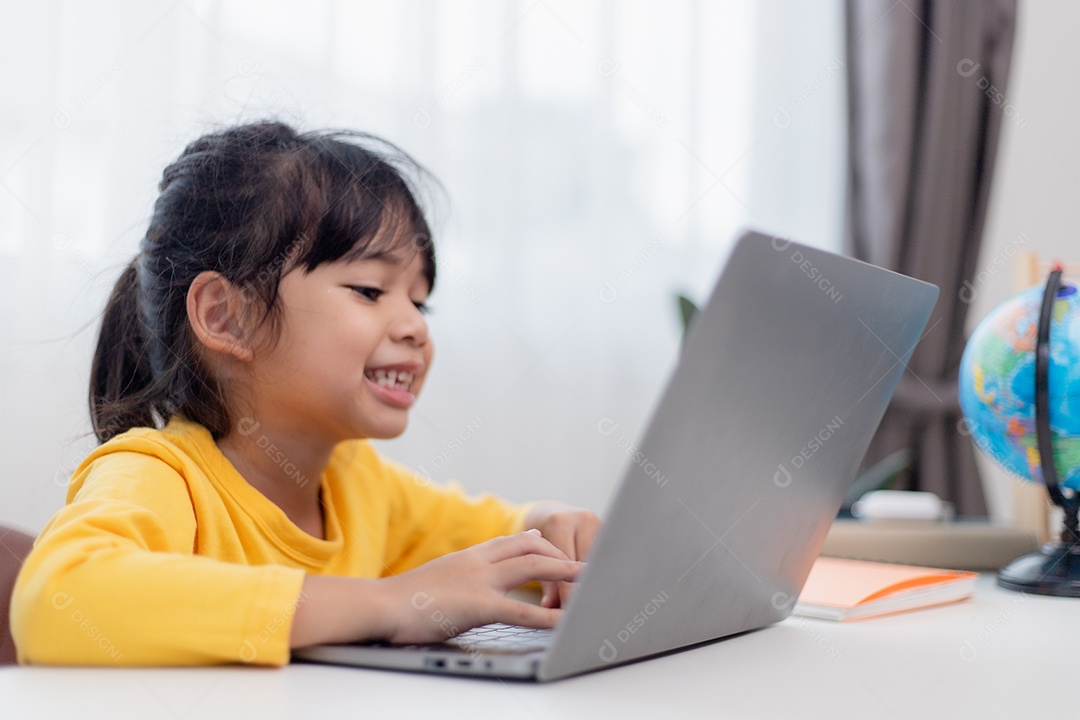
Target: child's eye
[
  {"x": 422, "y": 307},
  {"x": 369, "y": 292}
]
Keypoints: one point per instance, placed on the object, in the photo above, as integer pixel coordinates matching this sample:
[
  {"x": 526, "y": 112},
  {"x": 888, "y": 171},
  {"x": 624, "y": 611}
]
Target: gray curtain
[{"x": 926, "y": 100}]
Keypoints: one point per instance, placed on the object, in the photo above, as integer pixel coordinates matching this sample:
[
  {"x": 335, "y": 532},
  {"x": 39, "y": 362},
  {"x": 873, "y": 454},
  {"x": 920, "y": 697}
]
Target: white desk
[{"x": 999, "y": 655}]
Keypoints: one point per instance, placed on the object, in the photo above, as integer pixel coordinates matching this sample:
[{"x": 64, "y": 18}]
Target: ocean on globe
[{"x": 997, "y": 385}]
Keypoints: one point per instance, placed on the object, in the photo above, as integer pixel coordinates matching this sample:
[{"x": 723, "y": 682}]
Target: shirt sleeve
[
  {"x": 113, "y": 580},
  {"x": 429, "y": 520}
]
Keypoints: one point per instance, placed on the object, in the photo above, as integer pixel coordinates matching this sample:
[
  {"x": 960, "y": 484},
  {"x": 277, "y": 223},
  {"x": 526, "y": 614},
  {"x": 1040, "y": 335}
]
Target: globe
[{"x": 997, "y": 385}]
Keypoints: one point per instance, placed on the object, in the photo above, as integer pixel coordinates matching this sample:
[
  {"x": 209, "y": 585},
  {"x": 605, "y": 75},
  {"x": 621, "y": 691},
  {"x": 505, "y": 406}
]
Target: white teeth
[{"x": 397, "y": 379}]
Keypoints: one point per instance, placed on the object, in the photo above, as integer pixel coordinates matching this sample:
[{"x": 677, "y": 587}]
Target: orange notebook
[{"x": 838, "y": 589}]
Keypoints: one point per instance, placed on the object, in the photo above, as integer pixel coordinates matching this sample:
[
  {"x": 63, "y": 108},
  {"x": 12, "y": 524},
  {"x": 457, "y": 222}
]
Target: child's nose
[{"x": 409, "y": 325}]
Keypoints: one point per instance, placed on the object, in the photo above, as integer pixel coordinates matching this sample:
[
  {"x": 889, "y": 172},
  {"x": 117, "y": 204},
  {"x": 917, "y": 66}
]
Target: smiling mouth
[{"x": 392, "y": 379}]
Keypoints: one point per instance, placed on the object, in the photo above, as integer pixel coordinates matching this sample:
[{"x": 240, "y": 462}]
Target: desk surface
[{"x": 995, "y": 655}]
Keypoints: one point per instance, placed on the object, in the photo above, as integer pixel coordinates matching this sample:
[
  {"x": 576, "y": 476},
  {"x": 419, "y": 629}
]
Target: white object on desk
[{"x": 901, "y": 505}]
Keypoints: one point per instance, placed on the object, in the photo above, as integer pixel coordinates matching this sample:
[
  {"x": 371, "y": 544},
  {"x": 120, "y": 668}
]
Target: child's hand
[
  {"x": 570, "y": 529},
  {"x": 462, "y": 590}
]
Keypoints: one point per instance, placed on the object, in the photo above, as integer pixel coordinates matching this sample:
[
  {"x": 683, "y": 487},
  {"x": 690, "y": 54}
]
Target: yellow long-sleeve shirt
[{"x": 165, "y": 555}]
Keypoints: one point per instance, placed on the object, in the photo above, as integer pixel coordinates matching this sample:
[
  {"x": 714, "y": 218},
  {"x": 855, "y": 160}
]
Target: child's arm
[
  {"x": 447, "y": 573},
  {"x": 113, "y": 581},
  {"x": 429, "y": 520},
  {"x": 436, "y": 600}
]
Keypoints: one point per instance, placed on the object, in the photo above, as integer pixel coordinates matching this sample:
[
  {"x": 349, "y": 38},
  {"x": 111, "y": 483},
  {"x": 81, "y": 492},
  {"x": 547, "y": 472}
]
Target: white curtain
[{"x": 598, "y": 157}]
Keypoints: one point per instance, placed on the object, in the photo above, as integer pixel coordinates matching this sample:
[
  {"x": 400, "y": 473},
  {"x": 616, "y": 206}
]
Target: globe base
[{"x": 1052, "y": 570}]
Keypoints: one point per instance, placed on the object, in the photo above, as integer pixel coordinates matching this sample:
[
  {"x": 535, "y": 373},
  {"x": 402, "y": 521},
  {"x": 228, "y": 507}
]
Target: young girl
[{"x": 271, "y": 322}]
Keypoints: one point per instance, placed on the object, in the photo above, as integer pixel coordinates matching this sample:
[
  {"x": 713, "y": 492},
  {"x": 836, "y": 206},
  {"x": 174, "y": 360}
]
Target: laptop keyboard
[{"x": 499, "y": 636}]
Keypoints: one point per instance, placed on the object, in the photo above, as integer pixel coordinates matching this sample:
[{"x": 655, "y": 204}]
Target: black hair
[{"x": 251, "y": 202}]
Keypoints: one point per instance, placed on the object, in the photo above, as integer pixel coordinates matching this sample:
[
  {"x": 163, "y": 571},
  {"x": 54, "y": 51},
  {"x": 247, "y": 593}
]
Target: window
[{"x": 598, "y": 157}]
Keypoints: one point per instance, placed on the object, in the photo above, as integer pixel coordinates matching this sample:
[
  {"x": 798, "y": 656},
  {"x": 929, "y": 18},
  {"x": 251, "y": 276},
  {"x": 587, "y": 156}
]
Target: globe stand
[{"x": 1055, "y": 568}]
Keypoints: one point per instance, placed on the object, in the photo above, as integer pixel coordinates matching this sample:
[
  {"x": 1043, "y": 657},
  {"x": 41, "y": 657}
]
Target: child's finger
[
  {"x": 515, "y": 612},
  {"x": 563, "y": 538},
  {"x": 550, "y": 597},
  {"x": 525, "y": 543},
  {"x": 519, "y": 570}
]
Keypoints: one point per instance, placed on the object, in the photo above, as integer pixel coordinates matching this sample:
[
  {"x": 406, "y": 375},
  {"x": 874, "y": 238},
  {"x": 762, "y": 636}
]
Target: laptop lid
[{"x": 784, "y": 377}]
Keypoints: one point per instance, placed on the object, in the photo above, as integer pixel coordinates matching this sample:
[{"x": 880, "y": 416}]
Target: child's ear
[{"x": 217, "y": 312}]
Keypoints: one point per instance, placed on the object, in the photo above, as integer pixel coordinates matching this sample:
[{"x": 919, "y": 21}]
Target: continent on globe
[{"x": 997, "y": 385}]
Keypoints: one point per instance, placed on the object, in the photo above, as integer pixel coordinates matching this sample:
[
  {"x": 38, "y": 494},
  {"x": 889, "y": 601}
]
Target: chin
[{"x": 384, "y": 432}]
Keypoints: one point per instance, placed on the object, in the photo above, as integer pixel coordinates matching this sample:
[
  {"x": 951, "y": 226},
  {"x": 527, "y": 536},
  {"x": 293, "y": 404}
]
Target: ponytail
[{"x": 120, "y": 377}]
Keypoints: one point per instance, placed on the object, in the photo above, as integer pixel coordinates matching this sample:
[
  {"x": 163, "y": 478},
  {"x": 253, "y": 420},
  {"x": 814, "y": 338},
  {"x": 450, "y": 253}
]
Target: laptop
[{"x": 783, "y": 378}]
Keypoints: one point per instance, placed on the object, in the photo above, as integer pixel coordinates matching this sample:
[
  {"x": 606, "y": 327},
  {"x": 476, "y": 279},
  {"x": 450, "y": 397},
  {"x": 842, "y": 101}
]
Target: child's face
[{"x": 353, "y": 350}]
